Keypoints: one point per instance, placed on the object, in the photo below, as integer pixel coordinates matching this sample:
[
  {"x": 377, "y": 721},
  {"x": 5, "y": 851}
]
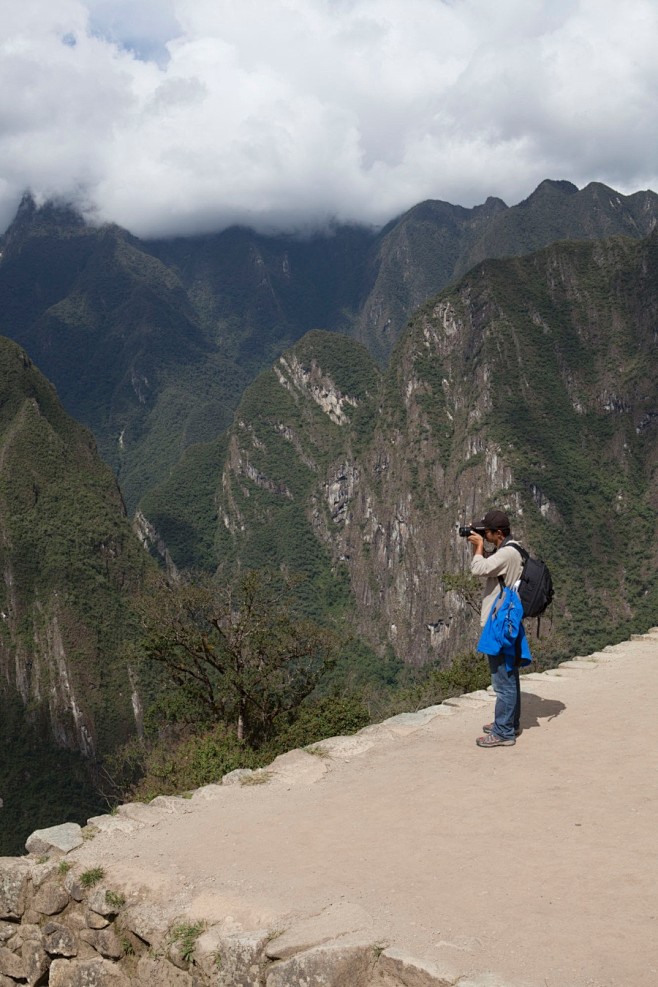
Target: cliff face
[
  {"x": 529, "y": 386},
  {"x": 68, "y": 566}
]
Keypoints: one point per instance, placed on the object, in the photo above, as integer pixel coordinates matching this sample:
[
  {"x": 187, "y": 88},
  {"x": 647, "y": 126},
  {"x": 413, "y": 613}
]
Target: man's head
[{"x": 496, "y": 526}]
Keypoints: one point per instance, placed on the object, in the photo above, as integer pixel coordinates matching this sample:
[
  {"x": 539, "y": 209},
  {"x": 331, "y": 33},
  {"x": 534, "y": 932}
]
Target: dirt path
[{"x": 537, "y": 862}]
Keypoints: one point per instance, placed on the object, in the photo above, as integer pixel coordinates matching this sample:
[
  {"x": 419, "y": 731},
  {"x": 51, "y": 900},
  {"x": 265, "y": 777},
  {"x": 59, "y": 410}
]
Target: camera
[{"x": 468, "y": 529}]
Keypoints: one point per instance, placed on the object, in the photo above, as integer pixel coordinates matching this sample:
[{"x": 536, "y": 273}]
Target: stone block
[
  {"x": 326, "y": 966},
  {"x": 346, "y": 748},
  {"x": 159, "y": 973},
  {"x": 89, "y": 973},
  {"x": 64, "y": 838},
  {"x": 59, "y": 941},
  {"x": 36, "y": 962},
  {"x": 114, "y": 824},
  {"x": 12, "y": 965},
  {"x": 344, "y": 920},
  {"x": 231, "y": 960},
  {"x": 148, "y": 922},
  {"x": 95, "y": 921},
  {"x": 98, "y": 902},
  {"x": 395, "y": 968},
  {"x": 104, "y": 941},
  {"x": 14, "y": 877},
  {"x": 299, "y": 767},
  {"x": 237, "y": 777},
  {"x": 51, "y": 900}
]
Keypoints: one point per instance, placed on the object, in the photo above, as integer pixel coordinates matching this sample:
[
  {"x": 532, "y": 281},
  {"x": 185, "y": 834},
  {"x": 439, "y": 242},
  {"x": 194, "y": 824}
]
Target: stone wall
[{"x": 63, "y": 927}]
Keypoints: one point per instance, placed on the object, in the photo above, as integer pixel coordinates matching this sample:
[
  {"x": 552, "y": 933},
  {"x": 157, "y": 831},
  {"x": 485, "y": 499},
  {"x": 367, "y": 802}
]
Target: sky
[{"x": 175, "y": 117}]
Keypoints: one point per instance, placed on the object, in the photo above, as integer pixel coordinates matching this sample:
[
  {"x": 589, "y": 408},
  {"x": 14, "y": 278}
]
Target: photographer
[{"x": 506, "y": 563}]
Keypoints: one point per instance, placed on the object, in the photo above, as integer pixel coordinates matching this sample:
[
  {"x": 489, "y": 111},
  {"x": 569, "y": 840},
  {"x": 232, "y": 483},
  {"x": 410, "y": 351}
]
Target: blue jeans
[{"x": 508, "y": 697}]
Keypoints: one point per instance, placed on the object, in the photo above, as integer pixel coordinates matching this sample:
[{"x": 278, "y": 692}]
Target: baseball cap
[{"x": 493, "y": 520}]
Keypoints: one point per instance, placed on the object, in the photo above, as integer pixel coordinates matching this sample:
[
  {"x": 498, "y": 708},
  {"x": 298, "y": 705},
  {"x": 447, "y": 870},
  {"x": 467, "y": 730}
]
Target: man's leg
[
  {"x": 517, "y": 708},
  {"x": 505, "y": 685}
]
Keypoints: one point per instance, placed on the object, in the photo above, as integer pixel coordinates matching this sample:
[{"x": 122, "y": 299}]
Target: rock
[
  {"x": 98, "y": 902},
  {"x": 338, "y": 921},
  {"x": 51, "y": 900},
  {"x": 88, "y": 973},
  {"x": 114, "y": 824},
  {"x": 231, "y": 960},
  {"x": 65, "y": 838},
  {"x": 74, "y": 887},
  {"x": 299, "y": 767},
  {"x": 59, "y": 941},
  {"x": 7, "y": 930},
  {"x": 149, "y": 923},
  {"x": 396, "y": 967},
  {"x": 24, "y": 933},
  {"x": 159, "y": 973},
  {"x": 41, "y": 872},
  {"x": 236, "y": 777},
  {"x": 36, "y": 962},
  {"x": 14, "y": 875},
  {"x": 95, "y": 921},
  {"x": 144, "y": 815},
  {"x": 104, "y": 941},
  {"x": 12, "y": 965},
  {"x": 329, "y": 966}
]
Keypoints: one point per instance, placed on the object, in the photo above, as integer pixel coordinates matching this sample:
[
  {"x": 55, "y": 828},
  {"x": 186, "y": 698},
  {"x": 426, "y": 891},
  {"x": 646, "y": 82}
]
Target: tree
[{"x": 239, "y": 653}]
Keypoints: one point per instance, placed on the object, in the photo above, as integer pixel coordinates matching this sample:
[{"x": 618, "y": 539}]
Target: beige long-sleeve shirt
[{"x": 505, "y": 562}]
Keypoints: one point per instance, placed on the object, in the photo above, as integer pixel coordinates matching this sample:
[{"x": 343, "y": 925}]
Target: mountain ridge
[{"x": 151, "y": 343}]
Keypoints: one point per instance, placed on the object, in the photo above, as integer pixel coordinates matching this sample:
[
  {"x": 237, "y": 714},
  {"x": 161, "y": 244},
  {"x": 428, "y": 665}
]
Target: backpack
[{"x": 535, "y": 584}]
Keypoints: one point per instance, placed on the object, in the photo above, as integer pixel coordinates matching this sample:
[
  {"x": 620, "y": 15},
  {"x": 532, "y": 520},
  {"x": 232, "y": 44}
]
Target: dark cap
[{"x": 493, "y": 520}]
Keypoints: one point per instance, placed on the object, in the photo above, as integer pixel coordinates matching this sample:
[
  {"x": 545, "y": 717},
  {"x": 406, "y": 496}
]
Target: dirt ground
[{"x": 536, "y": 862}]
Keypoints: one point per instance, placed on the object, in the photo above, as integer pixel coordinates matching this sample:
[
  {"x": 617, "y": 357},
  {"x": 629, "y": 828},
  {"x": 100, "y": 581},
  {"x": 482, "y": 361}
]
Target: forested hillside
[
  {"x": 528, "y": 385},
  {"x": 151, "y": 344},
  {"x": 70, "y": 567}
]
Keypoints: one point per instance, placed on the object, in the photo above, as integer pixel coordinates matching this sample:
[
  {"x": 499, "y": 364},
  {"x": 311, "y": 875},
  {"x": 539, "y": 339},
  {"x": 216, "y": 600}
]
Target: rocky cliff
[
  {"x": 529, "y": 385},
  {"x": 69, "y": 564}
]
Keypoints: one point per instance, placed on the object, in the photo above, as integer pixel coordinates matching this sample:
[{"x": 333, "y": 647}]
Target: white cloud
[{"x": 182, "y": 115}]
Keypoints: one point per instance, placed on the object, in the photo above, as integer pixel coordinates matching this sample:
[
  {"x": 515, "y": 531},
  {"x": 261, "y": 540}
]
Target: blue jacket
[{"x": 503, "y": 633}]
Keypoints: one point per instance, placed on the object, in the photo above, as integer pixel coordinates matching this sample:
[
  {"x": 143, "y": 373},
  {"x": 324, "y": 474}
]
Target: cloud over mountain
[{"x": 181, "y": 116}]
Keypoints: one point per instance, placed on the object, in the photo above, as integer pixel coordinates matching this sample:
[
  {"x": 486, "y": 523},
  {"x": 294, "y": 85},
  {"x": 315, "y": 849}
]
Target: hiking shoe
[
  {"x": 488, "y": 728},
  {"x": 493, "y": 740}
]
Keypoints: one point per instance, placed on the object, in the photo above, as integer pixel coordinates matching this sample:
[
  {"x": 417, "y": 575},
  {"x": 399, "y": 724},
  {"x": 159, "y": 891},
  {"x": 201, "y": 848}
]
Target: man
[{"x": 506, "y": 562}]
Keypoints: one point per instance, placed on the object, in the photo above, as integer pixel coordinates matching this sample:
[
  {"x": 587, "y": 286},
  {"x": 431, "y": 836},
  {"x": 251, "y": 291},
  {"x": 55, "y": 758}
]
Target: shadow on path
[{"x": 534, "y": 709}]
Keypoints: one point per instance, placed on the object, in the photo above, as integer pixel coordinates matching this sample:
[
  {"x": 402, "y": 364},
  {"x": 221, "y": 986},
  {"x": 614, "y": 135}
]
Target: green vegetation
[
  {"x": 91, "y": 877},
  {"x": 184, "y": 937},
  {"x": 115, "y": 899}
]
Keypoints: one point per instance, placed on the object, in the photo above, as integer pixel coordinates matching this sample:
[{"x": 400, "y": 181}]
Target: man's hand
[{"x": 477, "y": 541}]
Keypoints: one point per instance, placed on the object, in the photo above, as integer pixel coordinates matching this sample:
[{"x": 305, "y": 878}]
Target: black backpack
[{"x": 535, "y": 586}]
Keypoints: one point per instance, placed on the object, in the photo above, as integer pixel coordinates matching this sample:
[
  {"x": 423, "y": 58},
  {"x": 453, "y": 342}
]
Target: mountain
[
  {"x": 151, "y": 343},
  {"x": 70, "y": 564},
  {"x": 435, "y": 243},
  {"x": 528, "y": 385}
]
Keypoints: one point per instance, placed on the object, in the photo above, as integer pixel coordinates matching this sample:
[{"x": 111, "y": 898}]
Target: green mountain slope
[
  {"x": 70, "y": 564},
  {"x": 528, "y": 385},
  {"x": 151, "y": 344}
]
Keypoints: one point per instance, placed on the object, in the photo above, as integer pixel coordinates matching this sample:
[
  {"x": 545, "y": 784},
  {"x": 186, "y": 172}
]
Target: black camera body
[{"x": 468, "y": 529}]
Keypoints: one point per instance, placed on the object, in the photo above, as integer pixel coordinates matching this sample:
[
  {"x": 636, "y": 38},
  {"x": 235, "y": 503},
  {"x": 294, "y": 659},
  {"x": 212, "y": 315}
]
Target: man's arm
[{"x": 494, "y": 565}]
